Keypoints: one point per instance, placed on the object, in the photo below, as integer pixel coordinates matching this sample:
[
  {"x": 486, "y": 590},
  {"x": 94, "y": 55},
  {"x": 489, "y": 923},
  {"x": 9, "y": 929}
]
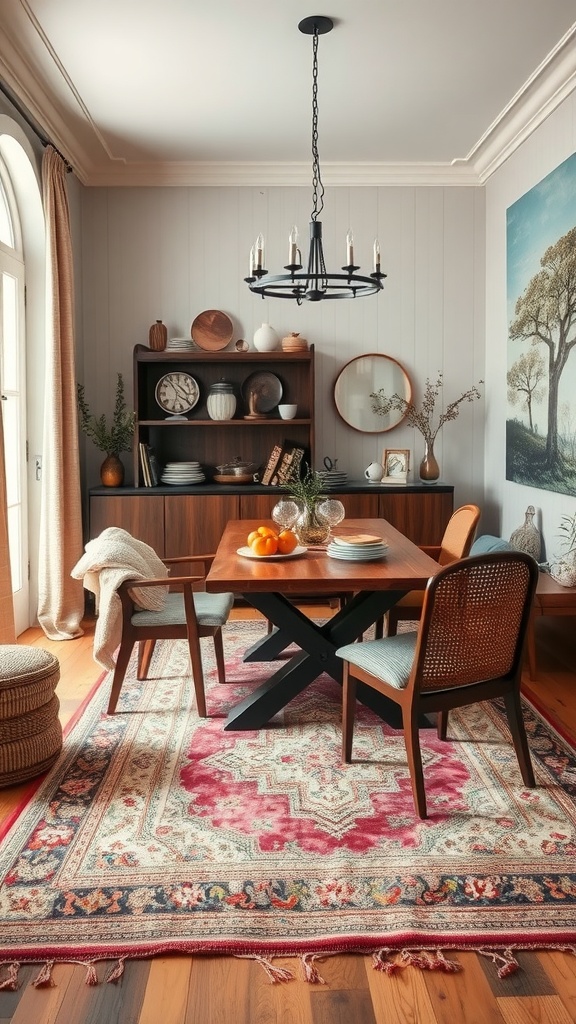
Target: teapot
[{"x": 374, "y": 472}]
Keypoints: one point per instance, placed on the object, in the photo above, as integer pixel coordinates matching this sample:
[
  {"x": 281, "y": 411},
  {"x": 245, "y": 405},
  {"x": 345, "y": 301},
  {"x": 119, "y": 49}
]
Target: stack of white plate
[
  {"x": 362, "y": 547},
  {"x": 333, "y": 478},
  {"x": 180, "y": 344},
  {"x": 181, "y": 473}
]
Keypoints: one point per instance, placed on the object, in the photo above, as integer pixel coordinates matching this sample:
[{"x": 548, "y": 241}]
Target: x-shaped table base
[{"x": 318, "y": 644}]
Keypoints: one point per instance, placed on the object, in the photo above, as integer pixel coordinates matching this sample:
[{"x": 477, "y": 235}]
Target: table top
[{"x": 405, "y": 566}]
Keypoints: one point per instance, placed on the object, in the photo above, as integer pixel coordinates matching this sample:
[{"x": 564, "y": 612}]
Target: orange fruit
[
  {"x": 287, "y": 541},
  {"x": 252, "y": 537},
  {"x": 266, "y": 531},
  {"x": 265, "y": 546}
]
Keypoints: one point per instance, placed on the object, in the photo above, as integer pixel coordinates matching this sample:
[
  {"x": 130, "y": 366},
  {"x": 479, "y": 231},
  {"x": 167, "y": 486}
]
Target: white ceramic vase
[{"x": 266, "y": 339}]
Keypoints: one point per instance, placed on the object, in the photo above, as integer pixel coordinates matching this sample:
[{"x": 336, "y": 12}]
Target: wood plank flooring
[{"x": 225, "y": 990}]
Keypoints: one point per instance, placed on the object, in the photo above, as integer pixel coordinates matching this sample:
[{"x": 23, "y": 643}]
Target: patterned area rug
[{"x": 158, "y": 831}]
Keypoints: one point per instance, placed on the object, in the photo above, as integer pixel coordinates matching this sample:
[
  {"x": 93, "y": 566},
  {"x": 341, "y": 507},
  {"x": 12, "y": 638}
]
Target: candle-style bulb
[
  {"x": 350, "y": 248},
  {"x": 252, "y": 262},
  {"x": 376, "y": 256},
  {"x": 293, "y": 247},
  {"x": 260, "y": 252}
]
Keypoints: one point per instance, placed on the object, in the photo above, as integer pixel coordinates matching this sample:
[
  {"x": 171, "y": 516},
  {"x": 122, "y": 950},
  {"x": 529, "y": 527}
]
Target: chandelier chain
[{"x": 317, "y": 186}]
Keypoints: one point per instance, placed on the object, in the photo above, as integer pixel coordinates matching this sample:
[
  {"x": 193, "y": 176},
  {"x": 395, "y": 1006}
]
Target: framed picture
[{"x": 396, "y": 463}]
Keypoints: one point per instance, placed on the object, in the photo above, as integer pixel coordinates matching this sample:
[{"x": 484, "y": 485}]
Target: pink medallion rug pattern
[{"x": 159, "y": 832}]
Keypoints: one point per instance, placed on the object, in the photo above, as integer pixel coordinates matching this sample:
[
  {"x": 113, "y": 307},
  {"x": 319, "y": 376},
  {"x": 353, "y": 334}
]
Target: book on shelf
[
  {"x": 154, "y": 466},
  {"x": 271, "y": 464},
  {"x": 289, "y": 463},
  {"x": 145, "y": 464}
]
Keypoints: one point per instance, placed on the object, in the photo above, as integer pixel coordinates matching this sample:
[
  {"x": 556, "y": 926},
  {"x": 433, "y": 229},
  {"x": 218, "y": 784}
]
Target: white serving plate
[{"x": 247, "y": 552}]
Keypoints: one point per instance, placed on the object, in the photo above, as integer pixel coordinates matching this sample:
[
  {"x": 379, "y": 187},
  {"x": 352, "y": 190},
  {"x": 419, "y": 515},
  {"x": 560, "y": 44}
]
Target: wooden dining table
[{"x": 370, "y": 587}]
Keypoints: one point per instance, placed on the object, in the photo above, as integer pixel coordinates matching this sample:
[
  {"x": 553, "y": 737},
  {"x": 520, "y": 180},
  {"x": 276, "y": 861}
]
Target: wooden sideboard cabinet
[{"x": 176, "y": 523}]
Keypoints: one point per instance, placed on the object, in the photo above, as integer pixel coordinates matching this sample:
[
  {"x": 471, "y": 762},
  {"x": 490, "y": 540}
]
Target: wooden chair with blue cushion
[
  {"x": 188, "y": 614},
  {"x": 468, "y": 648},
  {"x": 456, "y": 543}
]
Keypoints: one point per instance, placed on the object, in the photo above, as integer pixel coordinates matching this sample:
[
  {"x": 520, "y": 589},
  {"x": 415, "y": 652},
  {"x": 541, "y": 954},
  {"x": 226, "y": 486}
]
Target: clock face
[{"x": 177, "y": 392}]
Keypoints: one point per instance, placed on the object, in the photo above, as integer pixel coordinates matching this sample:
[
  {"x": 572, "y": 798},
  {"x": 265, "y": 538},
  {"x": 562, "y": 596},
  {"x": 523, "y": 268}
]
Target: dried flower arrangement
[
  {"x": 113, "y": 438},
  {"x": 423, "y": 418}
]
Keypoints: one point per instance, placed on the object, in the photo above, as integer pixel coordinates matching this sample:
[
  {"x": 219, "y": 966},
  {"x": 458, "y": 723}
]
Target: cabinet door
[
  {"x": 358, "y": 506},
  {"x": 195, "y": 523},
  {"x": 420, "y": 517},
  {"x": 142, "y": 517},
  {"x": 258, "y": 506}
]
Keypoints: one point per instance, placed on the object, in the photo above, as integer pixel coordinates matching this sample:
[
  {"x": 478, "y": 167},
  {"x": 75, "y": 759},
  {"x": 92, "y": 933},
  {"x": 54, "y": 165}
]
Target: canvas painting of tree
[{"x": 541, "y": 375}]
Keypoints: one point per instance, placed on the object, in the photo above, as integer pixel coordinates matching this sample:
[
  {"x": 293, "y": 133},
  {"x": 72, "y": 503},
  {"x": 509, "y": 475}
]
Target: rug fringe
[
  {"x": 44, "y": 977},
  {"x": 116, "y": 971},
  {"x": 309, "y": 969},
  {"x": 508, "y": 962},
  {"x": 381, "y": 960},
  {"x": 429, "y": 960},
  {"x": 10, "y": 984},
  {"x": 276, "y": 974}
]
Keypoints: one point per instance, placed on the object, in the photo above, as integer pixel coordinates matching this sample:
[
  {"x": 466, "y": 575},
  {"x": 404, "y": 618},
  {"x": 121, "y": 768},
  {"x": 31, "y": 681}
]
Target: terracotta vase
[
  {"x": 429, "y": 468},
  {"x": 112, "y": 471}
]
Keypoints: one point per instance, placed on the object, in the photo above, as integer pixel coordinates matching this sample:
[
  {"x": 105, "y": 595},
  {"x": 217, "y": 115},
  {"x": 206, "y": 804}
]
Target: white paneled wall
[
  {"x": 553, "y": 143},
  {"x": 169, "y": 253}
]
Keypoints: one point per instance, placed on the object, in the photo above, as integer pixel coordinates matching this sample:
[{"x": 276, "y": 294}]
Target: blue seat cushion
[
  {"x": 211, "y": 610},
  {"x": 389, "y": 659},
  {"x": 484, "y": 544}
]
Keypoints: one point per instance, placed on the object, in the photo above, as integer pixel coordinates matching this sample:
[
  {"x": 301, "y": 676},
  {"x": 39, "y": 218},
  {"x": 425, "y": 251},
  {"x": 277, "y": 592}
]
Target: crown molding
[{"x": 64, "y": 119}]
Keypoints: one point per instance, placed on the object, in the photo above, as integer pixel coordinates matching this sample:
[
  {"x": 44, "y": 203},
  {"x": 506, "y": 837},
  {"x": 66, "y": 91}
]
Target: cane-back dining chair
[
  {"x": 456, "y": 543},
  {"x": 188, "y": 613},
  {"x": 468, "y": 648}
]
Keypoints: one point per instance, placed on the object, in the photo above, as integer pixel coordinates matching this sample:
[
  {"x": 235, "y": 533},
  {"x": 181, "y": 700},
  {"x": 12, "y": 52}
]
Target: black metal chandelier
[{"x": 313, "y": 283}]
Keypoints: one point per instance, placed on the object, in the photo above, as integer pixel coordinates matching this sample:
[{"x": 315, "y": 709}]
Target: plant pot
[
  {"x": 564, "y": 573},
  {"x": 112, "y": 471}
]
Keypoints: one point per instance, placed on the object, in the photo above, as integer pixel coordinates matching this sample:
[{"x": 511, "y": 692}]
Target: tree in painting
[
  {"x": 525, "y": 381},
  {"x": 545, "y": 314}
]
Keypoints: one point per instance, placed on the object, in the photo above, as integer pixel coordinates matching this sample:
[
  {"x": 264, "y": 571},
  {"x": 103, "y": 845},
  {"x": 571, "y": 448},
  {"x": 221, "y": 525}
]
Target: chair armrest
[
  {"x": 205, "y": 559},
  {"x": 433, "y": 550}
]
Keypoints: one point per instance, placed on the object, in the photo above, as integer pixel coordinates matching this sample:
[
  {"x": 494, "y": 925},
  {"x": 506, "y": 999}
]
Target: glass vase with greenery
[{"x": 308, "y": 492}]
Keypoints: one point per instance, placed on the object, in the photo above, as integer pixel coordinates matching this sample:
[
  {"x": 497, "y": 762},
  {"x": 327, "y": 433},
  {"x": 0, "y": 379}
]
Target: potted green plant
[{"x": 111, "y": 439}]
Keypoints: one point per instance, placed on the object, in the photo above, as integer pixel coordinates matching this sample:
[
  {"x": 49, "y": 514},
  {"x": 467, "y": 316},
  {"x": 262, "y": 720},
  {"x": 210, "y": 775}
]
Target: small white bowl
[{"x": 287, "y": 412}]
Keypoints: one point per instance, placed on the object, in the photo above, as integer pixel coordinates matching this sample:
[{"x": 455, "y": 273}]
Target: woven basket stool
[{"x": 30, "y": 731}]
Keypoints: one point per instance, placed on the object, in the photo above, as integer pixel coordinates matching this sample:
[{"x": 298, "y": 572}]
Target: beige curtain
[
  {"x": 60, "y": 598},
  {"x": 7, "y": 628}
]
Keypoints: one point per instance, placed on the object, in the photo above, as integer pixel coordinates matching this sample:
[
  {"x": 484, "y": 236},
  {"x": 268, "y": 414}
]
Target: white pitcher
[{"x": 374, "y": 472}]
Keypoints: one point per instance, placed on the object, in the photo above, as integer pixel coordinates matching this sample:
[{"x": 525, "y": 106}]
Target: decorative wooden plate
[{"x": 212, "y": 330}]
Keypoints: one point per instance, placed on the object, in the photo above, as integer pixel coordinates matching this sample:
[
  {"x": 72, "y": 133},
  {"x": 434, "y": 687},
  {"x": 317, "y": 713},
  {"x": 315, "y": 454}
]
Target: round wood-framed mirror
[{"x": 360, "y": 378}]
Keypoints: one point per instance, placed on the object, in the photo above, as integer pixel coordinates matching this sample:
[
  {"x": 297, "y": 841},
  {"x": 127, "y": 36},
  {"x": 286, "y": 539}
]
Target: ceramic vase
[
  {"x": 112, "y": 471},
  {"x": 158, "y": 336},
  {"x": 221, "y": 401},
  {"x": 266, "y": 339},
  {"x": 429, "y": 468}
]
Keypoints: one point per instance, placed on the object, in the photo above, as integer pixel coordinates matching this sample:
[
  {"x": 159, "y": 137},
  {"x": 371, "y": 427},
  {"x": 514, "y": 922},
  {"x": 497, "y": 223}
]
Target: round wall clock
[{"x": 177, "y": 392}]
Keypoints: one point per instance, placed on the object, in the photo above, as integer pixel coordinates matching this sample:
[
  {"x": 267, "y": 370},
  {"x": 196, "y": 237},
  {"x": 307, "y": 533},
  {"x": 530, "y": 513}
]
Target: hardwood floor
[{"x": 225, "y": 990}]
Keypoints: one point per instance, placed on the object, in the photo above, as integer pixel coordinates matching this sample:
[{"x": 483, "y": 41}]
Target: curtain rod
[{"x": 31, "y": 124}]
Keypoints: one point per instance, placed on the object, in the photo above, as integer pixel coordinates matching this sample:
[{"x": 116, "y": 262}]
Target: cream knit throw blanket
[{"x": 108, "y": 560}]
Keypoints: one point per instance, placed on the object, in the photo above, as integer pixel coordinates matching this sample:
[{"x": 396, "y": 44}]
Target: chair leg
[
  {"x": 119, "y": 672},
  {"x": 379, "y": 628},
  {"x": 442, "y": 724},
  {"x": 519, "y": 738},
  {"x": 219, "y": 652},
  {"x": 348, "y": 712},
  {"x": 412, "y": 741},
  {"x": 392, "y": 622},
  {"x": 145, "y": 652},
  {"x": 197, "y": 674}
]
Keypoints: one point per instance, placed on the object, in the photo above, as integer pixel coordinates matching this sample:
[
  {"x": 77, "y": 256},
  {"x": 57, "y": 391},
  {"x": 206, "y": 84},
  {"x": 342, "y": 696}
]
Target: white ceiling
[{"x": 184, "y": 92}]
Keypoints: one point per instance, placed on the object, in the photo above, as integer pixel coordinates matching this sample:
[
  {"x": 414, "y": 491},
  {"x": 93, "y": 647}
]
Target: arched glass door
[{"x": 12, "y": 389}]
